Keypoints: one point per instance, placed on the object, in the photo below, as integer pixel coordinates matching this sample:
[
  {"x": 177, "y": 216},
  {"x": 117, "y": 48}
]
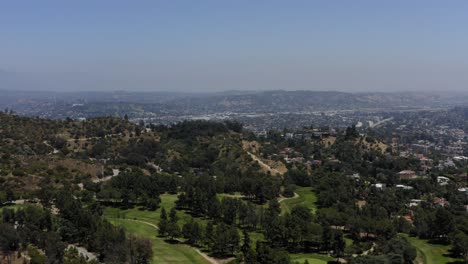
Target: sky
[{"x": 216, "y": 45}]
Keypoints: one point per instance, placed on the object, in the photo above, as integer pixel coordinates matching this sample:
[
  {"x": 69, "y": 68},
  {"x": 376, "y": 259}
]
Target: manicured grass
[
  {"x": 167, "y": 201},
  {"x": 306, "y": 198},
  {"x": 431, "y": 253},
  {"x": 169, "y": 252},
  {"x": 255, "y": 236},
  {"x": 13, "y": 206},
  {"x": 349, "y": 242},
  {"x": 312, "y": 258},
  {"x": 163, "y": 252}
]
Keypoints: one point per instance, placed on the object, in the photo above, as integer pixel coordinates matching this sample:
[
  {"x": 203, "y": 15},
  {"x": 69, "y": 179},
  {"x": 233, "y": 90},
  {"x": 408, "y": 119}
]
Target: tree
[
  {"x": 226, "y": 240},
  {"x": 141, "y": 250},
  {"x": 9, "y": 240},
  {"x": 247, "y": 251},
  {"x": 54, "y": 248},
  {"x": 8, "y": 215},
  {"x": 153, "y": 203},
  {"x": 266, "y": 254},
  {"x": 173, "y": 229},
  {"x": 173, "y": 215},
  {"x": 274, "y": 206},
  {"x": 401, "y": 247},
  {"x": 443, "y": 224},
  {"x": 460, "y": 244},
  {"x": 37, "y": 258},
  {"x": 338, "y": 244},
  {"x": 192, "y": 232},
  {"x": 333, "y": 240},
  {"x": 209, "y": 234},
  {"x": 163, "y": 223},
  {"x": 229, "y": 210}
]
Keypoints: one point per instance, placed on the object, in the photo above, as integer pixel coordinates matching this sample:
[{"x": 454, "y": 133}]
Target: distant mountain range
[
  {"x": 232, "y": 101},
  {"x": 297, "y": 101}
]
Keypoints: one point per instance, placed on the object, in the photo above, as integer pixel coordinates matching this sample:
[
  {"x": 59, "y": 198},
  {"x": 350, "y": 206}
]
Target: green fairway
[
  {"x": 431, "y": 253},
  {"x": 13, "y": 206},
  {"x": 163, "y": 251},
  {"x": 313, "y": 258},
  {"x": 176, "y": 253},
  {"x": 167, "y": 201},
  {"x": 306, "y": 198}
]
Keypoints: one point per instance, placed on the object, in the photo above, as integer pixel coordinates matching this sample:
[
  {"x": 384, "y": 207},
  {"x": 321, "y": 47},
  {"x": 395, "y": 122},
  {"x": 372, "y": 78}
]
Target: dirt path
[
  {"x": 83, "y": 251},
  {"x": 54, "y": 151},
  {"x": 264, "y": 165},
  {"x": 90, "y": 138},
  {"x": 115, "y": 172}
]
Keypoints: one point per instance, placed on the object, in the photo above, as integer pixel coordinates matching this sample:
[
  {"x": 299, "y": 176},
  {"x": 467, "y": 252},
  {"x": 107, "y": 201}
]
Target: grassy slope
[
  {"x": 313, "y": 258},
  {"x": 163, "y": 251},
  {"x": 167, "y": 201},
  {"x": 14, "y": 206},
  {"x": 306, "y": 198},
  {"x": 431, "y": 253}
]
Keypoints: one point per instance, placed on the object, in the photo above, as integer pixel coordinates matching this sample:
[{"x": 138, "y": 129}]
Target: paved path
[{"x": 287, "y": 198}]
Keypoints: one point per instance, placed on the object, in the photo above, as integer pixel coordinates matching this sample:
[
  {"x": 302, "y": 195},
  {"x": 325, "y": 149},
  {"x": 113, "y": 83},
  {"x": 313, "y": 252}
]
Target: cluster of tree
[
  {"x": 133, "y": 187},
  {"x": 222, "y": 239},
  {"x": 443, "y": 226},
  {"x": 73, "y": 224},
  {"x": 138, "y": 152},
  {"x": 190, "y": 130},
  {"x": 397, "y": 250}
]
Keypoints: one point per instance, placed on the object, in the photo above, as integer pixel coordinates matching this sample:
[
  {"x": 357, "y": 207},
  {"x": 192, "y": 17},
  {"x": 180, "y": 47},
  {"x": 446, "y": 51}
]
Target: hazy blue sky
[{"x": 243, "y": 44}]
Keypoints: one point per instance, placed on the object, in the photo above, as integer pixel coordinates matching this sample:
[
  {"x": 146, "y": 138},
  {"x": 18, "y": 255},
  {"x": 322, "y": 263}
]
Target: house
[
  {"x": 440, "y": 202},
  {"x": 449, "y": 163},
  {"x": 425, "y": 161},
  {"x": 407, "y": 175},
  {"x": 288, "y": 150},
  {"x": 460, "y": 158},
  {"x": 355, "y": 176},
  {"x": 414, "y": 202},
  {"x": 317, "y": 162},
  {"x": 441, "y": 180},
  {"x": 298, "y": 136},
  {"x": 408, "y": 218},
  {"x": 403, "y": 187},
  {"x": 404, "y": 154},
  {"x": 379, "y": 186}
]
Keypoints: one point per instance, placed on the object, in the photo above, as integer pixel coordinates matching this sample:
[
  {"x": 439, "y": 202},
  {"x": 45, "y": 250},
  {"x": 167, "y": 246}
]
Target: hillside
[{"x": 35, "y": 151}]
